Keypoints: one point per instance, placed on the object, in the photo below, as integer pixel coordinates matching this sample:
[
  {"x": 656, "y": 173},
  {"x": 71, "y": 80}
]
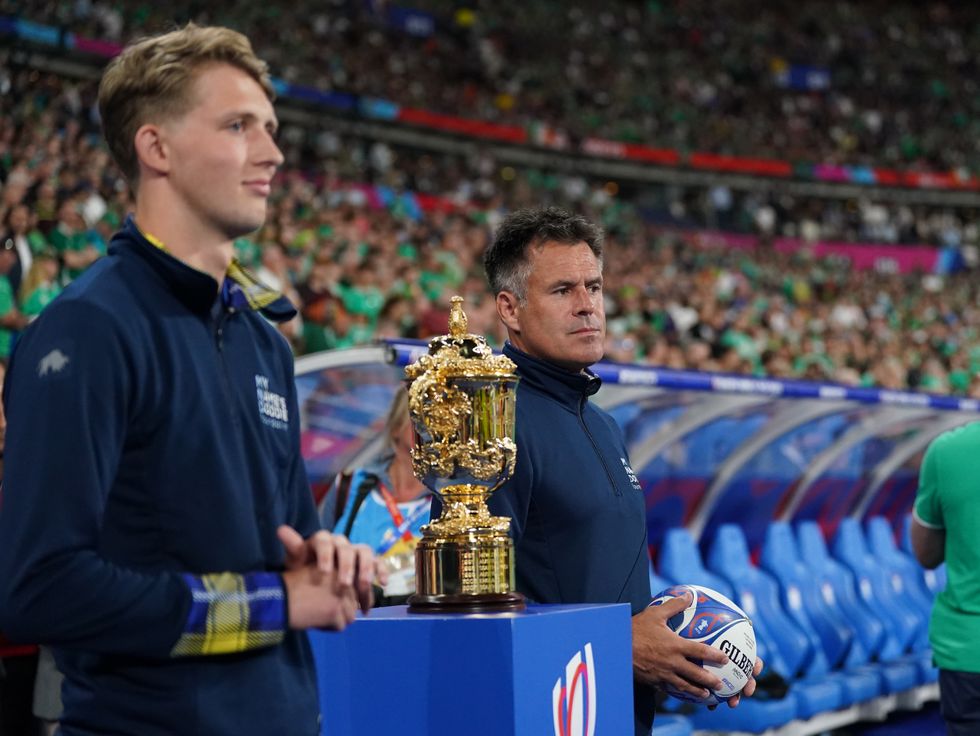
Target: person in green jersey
[
  {"x": 78, "y": 246},
  {"x": 11, "y": 319},
  {"x": 946, "y": 528},
  {"x": 40, "y": 286}
]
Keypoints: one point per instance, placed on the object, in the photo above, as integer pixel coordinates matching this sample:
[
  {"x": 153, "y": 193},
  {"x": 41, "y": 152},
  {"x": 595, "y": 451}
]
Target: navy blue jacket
[
  {"x": 578, "y": 515},
  {"x": 153, "y": 432},
  {"x": 577, "y": 510}
]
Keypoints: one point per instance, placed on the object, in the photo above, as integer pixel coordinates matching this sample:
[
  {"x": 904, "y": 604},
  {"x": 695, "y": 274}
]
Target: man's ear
[
  {"x": 508, "y": 309},
  {"x": 152, "y": 151}
]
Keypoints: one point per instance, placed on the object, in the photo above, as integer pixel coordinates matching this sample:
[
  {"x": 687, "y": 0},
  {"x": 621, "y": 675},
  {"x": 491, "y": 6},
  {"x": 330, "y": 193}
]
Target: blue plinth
[{"x": 505, "y": 674}]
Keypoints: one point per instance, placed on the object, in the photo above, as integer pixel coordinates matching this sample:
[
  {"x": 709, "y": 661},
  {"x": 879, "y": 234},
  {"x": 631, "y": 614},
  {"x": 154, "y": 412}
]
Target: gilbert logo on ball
[{"x": 713, "y": 619}]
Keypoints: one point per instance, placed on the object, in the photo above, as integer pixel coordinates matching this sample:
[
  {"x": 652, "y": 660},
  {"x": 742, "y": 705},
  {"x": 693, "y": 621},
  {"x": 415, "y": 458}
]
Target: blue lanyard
[{"x": 399, "y": 531}]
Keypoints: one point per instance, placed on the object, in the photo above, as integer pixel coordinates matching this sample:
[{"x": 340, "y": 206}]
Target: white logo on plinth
[{"x": 573, "y": 702}]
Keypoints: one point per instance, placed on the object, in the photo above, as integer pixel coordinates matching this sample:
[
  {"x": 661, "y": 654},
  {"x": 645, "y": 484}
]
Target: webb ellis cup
[{"x": 462, "y": 401}]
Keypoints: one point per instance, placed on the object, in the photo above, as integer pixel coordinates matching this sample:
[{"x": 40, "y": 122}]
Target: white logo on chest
[
  {"x": 634, "y": 481},
  {"x": 272, "y": 406}
]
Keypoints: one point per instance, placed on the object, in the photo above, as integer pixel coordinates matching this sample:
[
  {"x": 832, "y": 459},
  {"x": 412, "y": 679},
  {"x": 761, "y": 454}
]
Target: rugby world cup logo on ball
[{"x": 713, "y": 619}]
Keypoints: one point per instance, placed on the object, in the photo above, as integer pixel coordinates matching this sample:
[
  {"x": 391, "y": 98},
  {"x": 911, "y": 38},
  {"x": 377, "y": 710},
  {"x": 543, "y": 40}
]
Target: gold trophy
[{"x": 462, "y": 400}]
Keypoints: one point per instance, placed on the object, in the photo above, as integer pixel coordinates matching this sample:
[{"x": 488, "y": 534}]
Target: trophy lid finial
[
  {"x": 457, "y": 318},
  {"x": 460, "y": 353}
]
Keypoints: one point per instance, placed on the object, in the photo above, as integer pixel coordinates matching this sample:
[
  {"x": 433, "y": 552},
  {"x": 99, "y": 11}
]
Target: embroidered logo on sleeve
[
  {"x": 272, "y": 406},
  {"x": 54, "y": 362},
  {"x": 634, "y": 481}
]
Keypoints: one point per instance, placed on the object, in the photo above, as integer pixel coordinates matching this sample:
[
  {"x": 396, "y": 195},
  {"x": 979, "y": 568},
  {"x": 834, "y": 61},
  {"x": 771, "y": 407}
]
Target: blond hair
[
  {"x": 152, "y": 80},
  {"x": 35, "y": 276},
  {"x": 397, "y": 416}
]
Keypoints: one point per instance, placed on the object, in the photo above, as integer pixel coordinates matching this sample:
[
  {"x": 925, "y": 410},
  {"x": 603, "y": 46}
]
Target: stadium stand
[
  {"x": 368, "y": 261},
  {"x": 776, "y": 81}
]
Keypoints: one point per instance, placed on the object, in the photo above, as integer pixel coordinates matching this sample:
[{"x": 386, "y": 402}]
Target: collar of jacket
[
  {"x": 196, "y": 289},
  {"x": 567, "y": 388}
]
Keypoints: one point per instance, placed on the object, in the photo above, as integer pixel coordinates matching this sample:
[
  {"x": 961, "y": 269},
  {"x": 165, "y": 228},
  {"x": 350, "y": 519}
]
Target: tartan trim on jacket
[{"x": 233, "y": 613}]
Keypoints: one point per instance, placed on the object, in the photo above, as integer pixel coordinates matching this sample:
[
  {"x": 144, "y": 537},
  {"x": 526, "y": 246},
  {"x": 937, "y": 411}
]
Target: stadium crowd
[
  {"x": 890, "y": 84},
  {"x": 361, "y": 269}
]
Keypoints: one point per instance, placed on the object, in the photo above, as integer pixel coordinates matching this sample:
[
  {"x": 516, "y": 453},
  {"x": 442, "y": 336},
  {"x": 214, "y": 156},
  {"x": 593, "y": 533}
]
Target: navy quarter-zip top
[
  {"x": 577, "y": 513},
  {"x": 157, "y": 440}
]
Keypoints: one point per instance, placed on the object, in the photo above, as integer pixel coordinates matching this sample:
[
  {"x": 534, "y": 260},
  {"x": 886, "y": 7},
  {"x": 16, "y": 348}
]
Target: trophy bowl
[{"x": 462, "y": 402}]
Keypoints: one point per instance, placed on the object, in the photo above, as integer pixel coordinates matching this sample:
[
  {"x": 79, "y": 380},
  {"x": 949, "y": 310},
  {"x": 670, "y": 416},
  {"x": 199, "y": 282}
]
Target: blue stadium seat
[
  {"x": 805, "y": 603},
  {"x": 671, "y": 725},
  {"x": 908, "y": 583},
  {"x": 935, "y": 580},
  {"x": 781, "y": 559},
  {"x": 903, "y": 625},
  {"x": 754, "y": 715},
  {"x": 838, "y": 586},
  {"x": 758, "y": 594},
  {"x": 906, "y": 572},
  {"x": 680, "y": 563}
]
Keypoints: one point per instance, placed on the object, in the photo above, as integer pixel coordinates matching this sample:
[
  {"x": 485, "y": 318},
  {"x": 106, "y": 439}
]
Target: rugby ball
[{"x": 713, "y": 619}]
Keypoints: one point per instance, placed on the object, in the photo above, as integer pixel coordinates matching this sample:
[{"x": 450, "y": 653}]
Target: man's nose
[
  {"x": 584, "y": 302},
  {"x": 268, "y": 151}
]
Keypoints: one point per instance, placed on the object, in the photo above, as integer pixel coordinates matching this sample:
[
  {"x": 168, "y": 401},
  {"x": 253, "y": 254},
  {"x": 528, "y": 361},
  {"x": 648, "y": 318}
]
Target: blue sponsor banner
[
  {"x": 412, "y": 206},
  {"x": 39, "y": 33},
  {"x": 950, "y": 260},
  {"x": 640, "y": 375},
  {"x": 8, "y": 25},
  {"x": 336, "y": 100},
  {"x": 804, "y": 77},
  {"x": 281, "y": 87},
  {"x": 411, "y": 21},
  {"x": 386, "y": 195},
  {"x": 862, "y": 174},
  {"x": 374, "y": 107}
]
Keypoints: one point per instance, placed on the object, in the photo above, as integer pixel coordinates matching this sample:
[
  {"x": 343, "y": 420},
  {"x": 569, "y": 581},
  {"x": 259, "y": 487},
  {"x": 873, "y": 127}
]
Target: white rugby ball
[{"x": 713, "y": 619}]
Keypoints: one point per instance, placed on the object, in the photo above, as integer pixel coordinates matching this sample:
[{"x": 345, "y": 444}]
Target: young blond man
[{"x": 158, "y": 529}]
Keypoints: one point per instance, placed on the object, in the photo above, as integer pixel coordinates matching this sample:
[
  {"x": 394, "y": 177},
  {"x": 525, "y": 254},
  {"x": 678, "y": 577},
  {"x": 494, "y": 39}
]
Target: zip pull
[{"x": 219, "y": 328}]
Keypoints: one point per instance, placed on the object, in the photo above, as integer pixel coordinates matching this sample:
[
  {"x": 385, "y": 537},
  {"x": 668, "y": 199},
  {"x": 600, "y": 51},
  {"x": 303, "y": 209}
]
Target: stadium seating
[
  {"x": 907, "y": 579},
  {"x": 796, "y": 648},
  {"x": 871, "y": 634},
  {"x": 805, "y": 602},
  {"x": 680, "y": 562},
  {"x": 904, "y": 626}
]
